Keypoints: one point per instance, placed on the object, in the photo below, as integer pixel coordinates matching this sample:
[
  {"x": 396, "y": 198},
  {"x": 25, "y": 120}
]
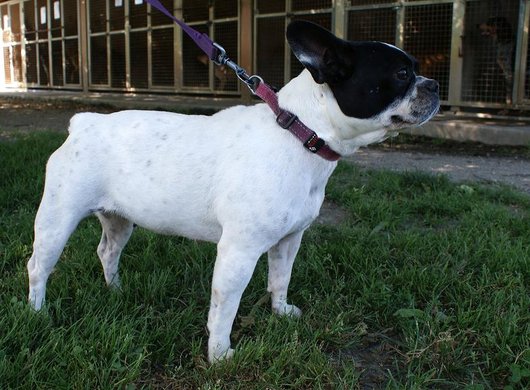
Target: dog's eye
[{"x": 402, "y": 74}]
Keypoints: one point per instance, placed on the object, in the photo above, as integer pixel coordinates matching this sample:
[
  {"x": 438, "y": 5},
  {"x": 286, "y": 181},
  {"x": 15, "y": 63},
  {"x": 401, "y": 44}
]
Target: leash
[{"x": 287, "y": 120}]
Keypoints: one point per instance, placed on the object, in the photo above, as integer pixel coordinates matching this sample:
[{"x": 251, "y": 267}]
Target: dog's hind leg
[
  {"x": 281, "y": 259},
  {"x": 53, "y": 226},
  {"x": 116, "y": 233}
]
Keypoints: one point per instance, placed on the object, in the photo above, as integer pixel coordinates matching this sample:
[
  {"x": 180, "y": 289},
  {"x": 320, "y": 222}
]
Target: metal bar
[
  {"x": 211, "y": 33},
  {"x": 521, "y": 53},
  {"x": 2, "y": 59},
  {"x": 456, "y": 59},
  {"x": 23, "y": 45},
  {"x": 177, "y": 43},
  {"x": 400, "y": 24},
  {"x": 286, "y": 48},
  {"x": 127, "y": 43},
  {"x": 149, "y": 51},
  {"x": 82, "y": 41},
  {"x": 245, "y": 44},
  {"x": 339, "y": 19}
]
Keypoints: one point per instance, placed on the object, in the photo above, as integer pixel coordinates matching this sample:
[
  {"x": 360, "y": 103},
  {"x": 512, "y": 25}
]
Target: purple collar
[{"x": 290, "y": 121}]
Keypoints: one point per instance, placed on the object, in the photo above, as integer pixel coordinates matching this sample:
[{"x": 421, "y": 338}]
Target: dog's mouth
[{"x": 398, "y": 120}]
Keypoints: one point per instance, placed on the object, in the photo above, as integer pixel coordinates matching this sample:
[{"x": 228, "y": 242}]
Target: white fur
[{"x": 235, "y": 178}]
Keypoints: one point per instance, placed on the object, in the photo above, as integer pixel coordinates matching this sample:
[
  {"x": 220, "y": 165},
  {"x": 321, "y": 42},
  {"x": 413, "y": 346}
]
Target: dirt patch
[
  {"x": 22, "y": 116},
  {"x": 376, "y": 357}
]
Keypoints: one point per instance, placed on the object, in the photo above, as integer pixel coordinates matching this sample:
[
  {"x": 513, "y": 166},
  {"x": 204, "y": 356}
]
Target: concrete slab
[{"x": 491, "y": 131}]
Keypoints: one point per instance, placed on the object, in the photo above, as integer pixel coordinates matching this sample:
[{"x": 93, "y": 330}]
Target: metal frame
[
  {"x": 49, "y": 39},
  {"x": 212, "y": 22},
  {"x": 521, "y": 54},
  {"x": 11, "y": 45}
]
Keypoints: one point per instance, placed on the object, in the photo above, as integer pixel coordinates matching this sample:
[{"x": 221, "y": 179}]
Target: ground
[{"x": 460, "y": 162}]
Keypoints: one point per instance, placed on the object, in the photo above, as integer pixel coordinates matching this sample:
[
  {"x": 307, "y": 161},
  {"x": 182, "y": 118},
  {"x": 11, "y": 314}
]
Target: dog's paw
[
  {"x": 287, "y": 310},
  {"x": 217, "y": 357}
]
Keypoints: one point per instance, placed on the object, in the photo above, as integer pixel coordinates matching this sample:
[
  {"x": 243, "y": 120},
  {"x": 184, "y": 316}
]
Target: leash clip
[
  {"x": 251, "y": 82},
  {"x": 221, "y": 55}
]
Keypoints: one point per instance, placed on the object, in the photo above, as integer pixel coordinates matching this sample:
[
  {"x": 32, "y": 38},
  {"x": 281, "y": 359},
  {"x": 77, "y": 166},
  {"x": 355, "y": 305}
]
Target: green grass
[{"x": 425, "y": 285}]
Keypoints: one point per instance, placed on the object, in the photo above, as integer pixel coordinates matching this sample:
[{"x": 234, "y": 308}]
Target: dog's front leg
[
  {"x": 281, "y": 260},
  {"x": 232, "y": 272}
]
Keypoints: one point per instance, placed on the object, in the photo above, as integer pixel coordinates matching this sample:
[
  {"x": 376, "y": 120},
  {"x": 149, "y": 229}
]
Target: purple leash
[
  {"x": 284, "y": 118},
  {"x": 202, "y": 40}
]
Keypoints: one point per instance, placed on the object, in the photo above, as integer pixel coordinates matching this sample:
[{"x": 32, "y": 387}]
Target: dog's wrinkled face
[{"x": 369, "y": 80}]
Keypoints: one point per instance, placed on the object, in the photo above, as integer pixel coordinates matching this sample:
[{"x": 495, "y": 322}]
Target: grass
[{"x": 424, "y": 285}]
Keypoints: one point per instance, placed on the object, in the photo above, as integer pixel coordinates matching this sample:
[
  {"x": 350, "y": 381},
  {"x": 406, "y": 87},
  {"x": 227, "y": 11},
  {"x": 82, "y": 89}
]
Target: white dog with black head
[{"x": 235, "y": 178}]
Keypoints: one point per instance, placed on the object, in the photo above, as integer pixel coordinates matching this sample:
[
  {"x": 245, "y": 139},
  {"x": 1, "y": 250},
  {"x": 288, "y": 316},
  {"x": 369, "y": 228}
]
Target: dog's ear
[{"x": 322, "y": 53}]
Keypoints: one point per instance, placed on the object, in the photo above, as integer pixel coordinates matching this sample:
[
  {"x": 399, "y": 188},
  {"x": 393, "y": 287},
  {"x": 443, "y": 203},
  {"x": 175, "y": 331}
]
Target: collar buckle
[{"x": 286, "y": 119}]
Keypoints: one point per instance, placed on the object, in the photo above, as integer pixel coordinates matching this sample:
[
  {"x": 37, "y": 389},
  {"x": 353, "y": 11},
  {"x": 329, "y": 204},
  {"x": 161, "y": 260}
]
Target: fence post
[
  {"x": 339, "y": 19},
  {"x": 521, "y": 53},
  {"x": 245, "y": 45},
  {"x": 177, "y": 47},
  {"x": 83, "y": 42},
  {"x": 2, "y": 59},
  {"x": 456, "y": 61},
  {"x": 400, "y": 24}
]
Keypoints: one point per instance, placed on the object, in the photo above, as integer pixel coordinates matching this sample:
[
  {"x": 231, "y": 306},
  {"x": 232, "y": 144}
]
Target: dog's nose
[{"x": 432, "y": 86}]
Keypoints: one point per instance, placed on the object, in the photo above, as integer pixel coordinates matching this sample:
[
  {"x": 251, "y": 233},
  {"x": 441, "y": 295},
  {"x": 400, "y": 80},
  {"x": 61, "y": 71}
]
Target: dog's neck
[{"x": 317, "y": 108}]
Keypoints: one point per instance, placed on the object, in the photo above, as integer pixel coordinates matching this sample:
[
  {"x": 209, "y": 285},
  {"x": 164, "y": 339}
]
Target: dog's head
[{"x": 371, "y": 81}]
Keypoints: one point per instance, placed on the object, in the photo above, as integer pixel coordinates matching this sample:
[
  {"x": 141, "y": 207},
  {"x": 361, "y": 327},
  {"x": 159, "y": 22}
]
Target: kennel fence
[{"x": 476, "y": 49}]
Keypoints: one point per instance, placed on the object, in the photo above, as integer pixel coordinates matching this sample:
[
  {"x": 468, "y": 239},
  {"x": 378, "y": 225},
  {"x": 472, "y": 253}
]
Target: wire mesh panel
[
  {"x": 71, "y": 62},
  {"x": 218, "y": 19},
  {"x": 70, "y": 18},
  {"x": 158, "y": 18},
  {"x": 98, "y": 60},
  {"x": 6, "y": 40},
  {"x": 137, "y": 14},
  {"x": 489, "y": 50},
  {"x": 378, "y": 24},
  {"x": 57, "y": 63},
  {"x": 11, "y": 43},
  {"x": 270, "y": 49},
  {"x": 195, "y": 10},
  {"x": 98, "y": 16},
  {"x": 273, "y": 58},
  {"x": 44, "y": 64},
  {"x": 31, "y": 64},
  {"x": 7, "y": 65},
  {"x": 269, "y": 6},
  {"x": 302, "y": 5},
  {"x": 322, "y": 19},
  {"x": 139, "y": 65},
  {"x": 225, "y": 9},
  {"x": 163, "y": 73},
  {"x": 371, "y": 2},
  {"x": 117, "y": 61},
  {"x": 50, "y": 43},
  {"x": 224, "y": 78},
  {"x": 428, "y": 30},
  {"x": 162, "y": 49},
  {"x": 195, "y": 63}
]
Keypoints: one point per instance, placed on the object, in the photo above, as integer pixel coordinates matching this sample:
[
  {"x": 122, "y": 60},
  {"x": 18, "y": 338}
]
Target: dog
[{"x": 235, "y": 178}]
